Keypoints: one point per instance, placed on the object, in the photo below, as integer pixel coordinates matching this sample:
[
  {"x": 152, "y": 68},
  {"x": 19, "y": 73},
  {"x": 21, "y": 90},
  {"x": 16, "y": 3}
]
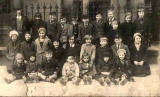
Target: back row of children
[{"x": 97, "y": 52}]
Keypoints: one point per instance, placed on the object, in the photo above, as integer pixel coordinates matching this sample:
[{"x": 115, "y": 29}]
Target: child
[
  {"x": 42, "y": 44},
  {"x": 122, "y": 72},
  {"x": 139, "y": 56},
  {"x": 73, "y": 48},
  {"x": 119, "y": 45},
  {"x": 64, "y": 42},
  {"x": 75, "y": 26},
  {"x": 18, "y": 69},
  {"x": 104, "y": 61},
  {"x": 32, "y": 70},
  {"x": 112, "y": 32},
  {"x": 70, "y": 71},
  {"x": 88, "y": 48},
  {"x": 127, "y": 28},
  {"x": 13, "y": 47},
  {"x": 27, "y": 47},
  {"x": 86, "y": 69},
  {"x": 49, "y": 68}
]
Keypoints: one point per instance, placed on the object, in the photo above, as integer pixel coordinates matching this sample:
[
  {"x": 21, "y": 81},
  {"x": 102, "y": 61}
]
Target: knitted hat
[
  {"x": 19, "y": 56},
  {"x": 13, "y": 32},
  {"x": 137, "y": 34},
  {"x": 88, "y": 36},
  {"x": 42, "y": 29},
  {"x": 103, "y": 38},
  {"x": 121, "y": 51}
]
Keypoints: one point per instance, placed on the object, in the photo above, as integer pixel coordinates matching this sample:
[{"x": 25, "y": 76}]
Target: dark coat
[
  {"x": 57, "y": 53},
  {"x": 31, "y": 67},
  {"x": 101, "y": 65},
  {"x": 128, "y": 30},
  {"x": 27, "y": 49},
  {"x": 53, "y": 30},
  {"x": 140, "y": 55}
]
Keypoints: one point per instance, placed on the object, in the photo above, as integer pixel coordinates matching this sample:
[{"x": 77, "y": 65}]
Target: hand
[
  {"x": 136, "y": 63},
  {"x": 141, "y": 63},
  {"x": 25, "y": 61}
]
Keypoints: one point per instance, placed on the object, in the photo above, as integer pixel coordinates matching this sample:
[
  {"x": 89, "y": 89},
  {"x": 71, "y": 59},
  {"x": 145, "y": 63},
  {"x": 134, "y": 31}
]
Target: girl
[
  {"x": 138, "y": 56},
  {"x": 42, "y": 44}
]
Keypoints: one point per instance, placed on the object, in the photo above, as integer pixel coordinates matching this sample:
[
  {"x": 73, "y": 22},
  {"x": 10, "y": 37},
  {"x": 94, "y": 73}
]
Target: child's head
[
  {"x": 52, "y": 16},
  {"x": 85, "y": 20},
  {"x": 85, "y": 57},
  {"x": 32, "y": 58},
  {"x": 42, "y": 32},
  {"x": 137, "y": 38},
  {"x": 71, "y": 39},
  {"x": 128, "y": 16},
  {"x": 88, "y": 39},
  {"x": 13, "y": 35},
  {"x": 38, "y": 16},
  {"x": 70, "y": 59},
  {"x": 63, "y": 20},
  {"x": 56, "y": 43},
  {"x": 49, "y": 54},
  {"x": 118, "y": 39},
  {"x": 140, "y": 11},
  {"x": 115, "y": 24},
  {"x": 27, "y": 36},
  {"x": 121, "y": 54},
  {"x": 103, "y": 41},
  {"x": 19, "y": 58},
  {"x": 74, "y": 21},
  {"x": 19, "y": 12},
  {"x": 64, "y": 39},
  {"x": 98, "y": 16},
  {"x": 110, "y": 14}
]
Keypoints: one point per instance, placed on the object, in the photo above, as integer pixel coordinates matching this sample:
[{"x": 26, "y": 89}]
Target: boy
[
  {"x": 104, "y": 61},
  {"x": 86, "y": 69},
  {"x": 128, "y": 29},
  {"x": 122, "y": 72},
  {"x": 119, "y": 45},
  {"x": 70, "y": 71},
  {"x": 85, "y": 28},
  {"x": 75, "y": 27},
  {"x": 53, "y": 26},
  {"x": 18, "y": 69},
  {"x": 49, "y": 68}
]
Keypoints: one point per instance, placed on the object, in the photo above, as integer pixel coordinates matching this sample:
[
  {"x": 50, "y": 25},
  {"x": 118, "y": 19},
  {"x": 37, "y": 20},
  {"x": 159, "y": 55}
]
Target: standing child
[
  {"x": 104, "y": 61},
  {"x": 49, "y": 68},
  {"x": 42, "y": 44},
  {"x": 86, "y": 69},
  {"x": 18, "y": 69},
  {"x": 122, "y": 72},
  {"x": 70, "y": 71}
]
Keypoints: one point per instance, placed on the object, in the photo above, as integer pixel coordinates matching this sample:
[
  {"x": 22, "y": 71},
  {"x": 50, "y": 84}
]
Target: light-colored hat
[
  {"x": 136, "y": 34},
  {"x": 13, "y": 32},
  {"x": 42, "y": 29},
  {"x": 88, "y": 36},
  {"x": 103, "y": 38},
  {"x": 19, "y": 56},
  {"x": 121, "y": 51}
]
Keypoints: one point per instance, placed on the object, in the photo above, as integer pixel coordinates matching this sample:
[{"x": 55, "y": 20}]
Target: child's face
[
  {"x": 56, "y": 44},
  {"x": 63, "y": 21},
  {"x": 74, "y": 22},
  {"x": 137, "y": 39},
  {"x": 42, "y": 34},
  {"x": 27, "y": 36},
  {"x": 64, "y": 39},
  {"x": 85, "y": 21},
  {"x": 52, "y": 17},
  {"x": 70, "y": 59},
  {"x": 98, "y": 16},
  {"x": 49, "y": 56},
  {"x": 117, "y": 40},
  {"x": 128, "y": 18},
  {"x": 32, "y": 58},
  {"x": 110, "y": 14},
  {"x": 141, "y": 13},
  {"x": 121, "y": 56},
  {"x": 71, "y": 40},
  {"x": 19, "y": 60},
  {"x": 88, "y": 41},
  {"x": 18, "y": 12},
  {"x": 106, "y": 59},
  {"x": 103, "y": 42},
  {"x": 14, "y": 38},
  {"x": 114, "y": 24},
  {"x": 86, "y": 58}
]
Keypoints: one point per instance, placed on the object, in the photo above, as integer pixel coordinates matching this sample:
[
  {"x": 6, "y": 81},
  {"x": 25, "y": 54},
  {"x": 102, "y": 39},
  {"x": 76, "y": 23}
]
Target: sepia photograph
[{"x": 79, "y": 48}]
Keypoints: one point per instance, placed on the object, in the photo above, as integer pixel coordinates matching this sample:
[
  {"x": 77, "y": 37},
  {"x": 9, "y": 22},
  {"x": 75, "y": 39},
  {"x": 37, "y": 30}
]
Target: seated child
[
  {"x": 64, "y": 42},
  {"x": 18, "y": 69},
  {"x": 86, "y": 69},
  {"x": 31, "y": 70},
  {"x": 122, "y": 72},
  {"x": 119, "y": 45},
  {"x": 70, "y": 71},
  {"x": 49, "y": 68},
  {"x": 104, "y": 61}
]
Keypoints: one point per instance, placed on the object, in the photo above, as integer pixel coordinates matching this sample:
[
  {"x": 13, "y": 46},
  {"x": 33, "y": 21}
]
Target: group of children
[{"x": 104, "y": 52}]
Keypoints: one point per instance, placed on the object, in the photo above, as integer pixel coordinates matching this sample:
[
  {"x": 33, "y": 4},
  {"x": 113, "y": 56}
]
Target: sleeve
[
  {"x": 64, "y": 69},
  {"x": 93, "y": 54},
  {"x": 77, "y": 70},
  {"x": 82, "y": 51}
]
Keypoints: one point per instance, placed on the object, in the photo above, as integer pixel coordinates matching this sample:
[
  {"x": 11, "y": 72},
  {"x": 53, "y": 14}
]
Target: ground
[{"x": 143, "y": 86}]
